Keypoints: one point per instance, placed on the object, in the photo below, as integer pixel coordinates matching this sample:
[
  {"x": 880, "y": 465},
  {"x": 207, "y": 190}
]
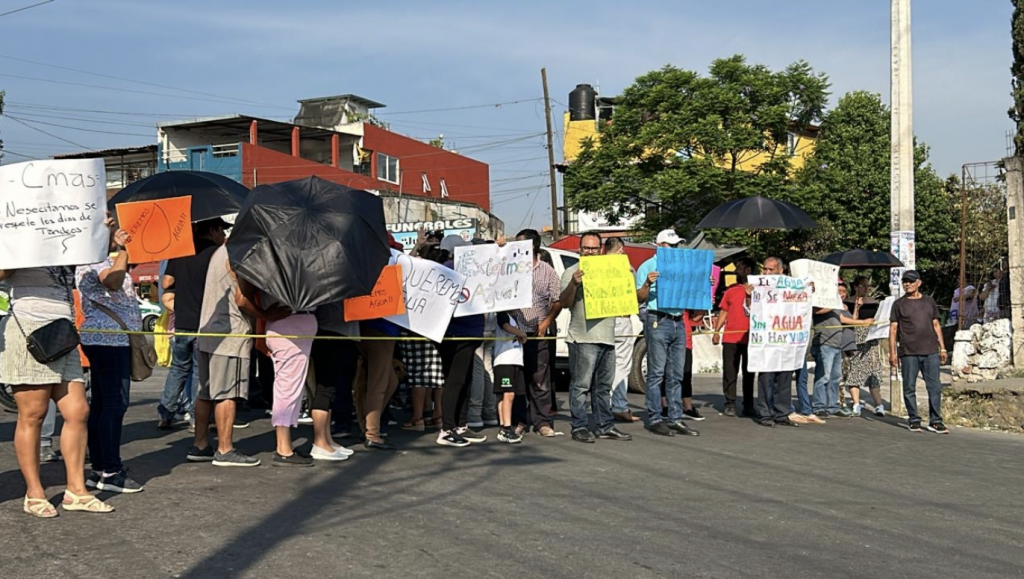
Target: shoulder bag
[
  {"x": 143, "y": 355},
  {"x": 55, "y": 339}
]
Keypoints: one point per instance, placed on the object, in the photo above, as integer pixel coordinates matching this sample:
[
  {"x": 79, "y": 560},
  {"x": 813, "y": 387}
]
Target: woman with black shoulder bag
[{"x": 39, "y": 358}]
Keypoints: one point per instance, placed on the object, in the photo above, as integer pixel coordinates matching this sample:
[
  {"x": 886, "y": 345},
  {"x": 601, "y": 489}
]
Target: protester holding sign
[
  {"x": 828, "y": 357},
  {"x": 591, "y": 351},
  {"x": 865, "y": 368},
  {"x": 41, "y": 297},
  {"x": 665, "y": 334},
  {"x": 457, "y": 358},
  {"x": 109, "y": 303}
]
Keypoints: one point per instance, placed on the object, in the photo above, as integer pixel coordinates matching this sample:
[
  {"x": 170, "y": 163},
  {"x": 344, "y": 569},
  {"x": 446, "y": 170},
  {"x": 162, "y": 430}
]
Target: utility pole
[
  {"x": 901, "y": 157},
  {"x": 551, "y": 157}
]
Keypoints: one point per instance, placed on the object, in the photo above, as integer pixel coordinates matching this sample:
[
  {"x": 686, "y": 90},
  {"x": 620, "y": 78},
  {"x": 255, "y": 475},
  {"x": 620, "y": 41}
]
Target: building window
[
  {"x": 387, "y": 168},
  {"x": 426, "y": 184},
  {"x": 444, "y": 188},
  {"x": 792, "y": 140}
]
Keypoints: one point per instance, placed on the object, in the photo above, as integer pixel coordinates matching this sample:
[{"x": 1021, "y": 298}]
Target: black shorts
[{"x": 509, "y": 379}]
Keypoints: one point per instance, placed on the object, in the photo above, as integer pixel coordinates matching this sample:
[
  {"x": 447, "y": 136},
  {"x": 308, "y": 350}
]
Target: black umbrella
[
  {"x": 757, "y": 213},
  {"x": 310, "y": 242},
  {"x": 863, "y": 259},
  {"x": 212, "y": 195}
]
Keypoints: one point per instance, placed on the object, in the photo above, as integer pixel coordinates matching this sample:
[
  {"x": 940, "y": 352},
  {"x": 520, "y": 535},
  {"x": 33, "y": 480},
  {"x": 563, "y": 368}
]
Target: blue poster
[{"x": 684, "y": 278}]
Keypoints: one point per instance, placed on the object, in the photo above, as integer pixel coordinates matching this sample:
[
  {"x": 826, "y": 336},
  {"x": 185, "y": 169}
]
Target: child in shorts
[{"x": 509, "y": 379}]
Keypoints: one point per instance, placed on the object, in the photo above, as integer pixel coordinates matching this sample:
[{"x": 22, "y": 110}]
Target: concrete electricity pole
[{"x": 901, "y": 177}]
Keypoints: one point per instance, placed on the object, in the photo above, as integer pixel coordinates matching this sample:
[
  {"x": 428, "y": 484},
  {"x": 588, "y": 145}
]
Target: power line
[
  {"x": 142, "y": 82},
  {"x": 34, "y": 115},
  {"x": 25, "y": 123},
  {"x": 125, "y": 90},
  {"x": 17, "y": 154},
  {"x": 26, "y": 7},
  {"x": 465, "y": 108},
  {"x": 84, "y": 129}
]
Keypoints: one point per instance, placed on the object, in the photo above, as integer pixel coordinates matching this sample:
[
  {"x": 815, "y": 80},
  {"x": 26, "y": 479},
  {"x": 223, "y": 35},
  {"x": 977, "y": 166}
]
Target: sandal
[
  {"x": 40, "y": 508},
  {"x": 432, "y": 422},
  {"x": 86, "y": 502},
  {"x": 417, "y": 425}
]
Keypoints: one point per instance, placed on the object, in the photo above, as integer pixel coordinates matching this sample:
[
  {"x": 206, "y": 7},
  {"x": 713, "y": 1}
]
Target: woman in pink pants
[{"x": 291, "y": 361}]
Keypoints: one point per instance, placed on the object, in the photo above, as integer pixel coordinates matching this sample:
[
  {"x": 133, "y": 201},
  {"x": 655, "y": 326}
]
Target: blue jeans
[
  {"x": 828, "y": 372},
  {"x": 179, "y": 377},
  {"x": 593, "y": 371},
  {"x": 929, "y": 367},
  {"x": 803, "y": 397},
  {"x": 666, "y": 355},
  {"x": 111, "y": 369}
]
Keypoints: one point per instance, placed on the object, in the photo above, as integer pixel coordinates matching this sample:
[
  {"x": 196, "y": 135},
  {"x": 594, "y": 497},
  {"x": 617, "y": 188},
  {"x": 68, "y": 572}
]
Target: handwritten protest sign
[
  {"x": 386, "y": 299},
  {"x": 880, "y": 329},
  {"x": 431, "y": 293},
  {"x": 684, "y": 278},
  {"x": 609, "y": 290},
  {"x": 52, "y": 213},
  {"x": 498, "y": 278},
  {"x": 826, "y": 282},
  {"x": 158, "y": 229},
  {"x": 780, "y": 323}
]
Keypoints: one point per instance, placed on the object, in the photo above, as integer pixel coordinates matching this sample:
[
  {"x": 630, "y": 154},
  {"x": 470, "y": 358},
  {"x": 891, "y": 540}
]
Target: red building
[{"x": 331, "y": 138}]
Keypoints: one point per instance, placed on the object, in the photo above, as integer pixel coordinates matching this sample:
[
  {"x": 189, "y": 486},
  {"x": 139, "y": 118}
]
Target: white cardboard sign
[
  {"x": 780, "y": 323},
  {"x": 52, "y": 213},
  {"x": 498, "y": 279},
  {"x": 826, "y": 282},
  {"x": 431, "y": 293}
]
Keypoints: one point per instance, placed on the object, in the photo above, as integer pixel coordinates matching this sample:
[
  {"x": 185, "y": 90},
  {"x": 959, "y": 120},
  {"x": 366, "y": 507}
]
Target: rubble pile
[{"x": 982, "y": 351}]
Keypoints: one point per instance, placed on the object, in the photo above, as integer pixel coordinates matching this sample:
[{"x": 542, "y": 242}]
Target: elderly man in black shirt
[{"x": 914, "y": 325}]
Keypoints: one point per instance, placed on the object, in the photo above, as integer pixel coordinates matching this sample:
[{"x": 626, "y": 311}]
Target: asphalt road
[{"x": 858, "y": 498}]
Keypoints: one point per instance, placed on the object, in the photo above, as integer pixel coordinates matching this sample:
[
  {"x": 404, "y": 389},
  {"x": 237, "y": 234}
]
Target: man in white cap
[{"x": 665, "y": 335}]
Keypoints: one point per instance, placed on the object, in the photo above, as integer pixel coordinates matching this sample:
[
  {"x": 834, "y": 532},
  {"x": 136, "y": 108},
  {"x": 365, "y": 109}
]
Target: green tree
[
  {"x": 1016, "y": 112},
  {"x": 845, "y": 187},
  {"x": 678, "y": 141}
]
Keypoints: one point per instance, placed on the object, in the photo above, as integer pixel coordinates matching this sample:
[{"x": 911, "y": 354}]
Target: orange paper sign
[
  {"x": 385, "y": 300},
  {"x": 157, "y": 230}
]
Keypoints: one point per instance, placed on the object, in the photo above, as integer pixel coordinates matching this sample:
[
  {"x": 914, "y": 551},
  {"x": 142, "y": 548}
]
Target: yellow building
[{"x": 587, "y": 110}]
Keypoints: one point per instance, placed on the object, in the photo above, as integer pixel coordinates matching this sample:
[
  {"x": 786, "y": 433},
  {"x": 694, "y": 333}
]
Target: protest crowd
[{"x": 436, "y": 337}]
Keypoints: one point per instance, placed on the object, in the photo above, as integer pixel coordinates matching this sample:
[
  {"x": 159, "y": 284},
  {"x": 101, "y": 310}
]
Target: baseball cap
[
  {"x": 911, "y": 275},
  {"x": 450, "y": 242},
  {"x": 668, "y": 236},
  {"x": 394, "y": 244}
]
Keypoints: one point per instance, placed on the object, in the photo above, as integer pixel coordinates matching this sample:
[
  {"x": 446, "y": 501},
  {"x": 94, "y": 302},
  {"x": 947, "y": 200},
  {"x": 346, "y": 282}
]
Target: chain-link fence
[{"x": 982, "y": 291}]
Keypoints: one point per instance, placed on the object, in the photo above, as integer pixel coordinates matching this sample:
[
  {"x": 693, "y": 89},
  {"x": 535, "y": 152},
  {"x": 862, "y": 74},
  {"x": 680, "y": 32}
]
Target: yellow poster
[{"x": 608, "y": 286}]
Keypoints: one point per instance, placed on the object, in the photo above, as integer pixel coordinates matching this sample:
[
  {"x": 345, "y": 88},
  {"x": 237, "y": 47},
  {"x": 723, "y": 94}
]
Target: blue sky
[{"x": 258, "y": 57}]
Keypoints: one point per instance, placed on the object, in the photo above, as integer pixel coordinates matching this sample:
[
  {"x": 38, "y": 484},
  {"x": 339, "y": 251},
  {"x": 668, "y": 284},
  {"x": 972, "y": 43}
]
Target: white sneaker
[
  {"x": 341, "y": 449},
  {"x": 856, "y": 409},
  {"x": 305, "y": 418},
  {"x": 880, "y": 410},
  {"x": 320, "y": 454}
]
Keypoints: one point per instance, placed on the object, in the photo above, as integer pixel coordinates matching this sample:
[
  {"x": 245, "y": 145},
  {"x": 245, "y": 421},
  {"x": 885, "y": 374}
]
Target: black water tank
[{"x": 582, "y": 103}]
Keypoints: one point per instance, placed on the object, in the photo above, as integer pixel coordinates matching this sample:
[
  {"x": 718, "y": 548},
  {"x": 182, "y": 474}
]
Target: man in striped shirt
[{"x": 535, "y": 321}]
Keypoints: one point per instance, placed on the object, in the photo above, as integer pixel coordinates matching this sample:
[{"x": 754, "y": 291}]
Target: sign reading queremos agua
[{"x": 406, "y": 232}]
